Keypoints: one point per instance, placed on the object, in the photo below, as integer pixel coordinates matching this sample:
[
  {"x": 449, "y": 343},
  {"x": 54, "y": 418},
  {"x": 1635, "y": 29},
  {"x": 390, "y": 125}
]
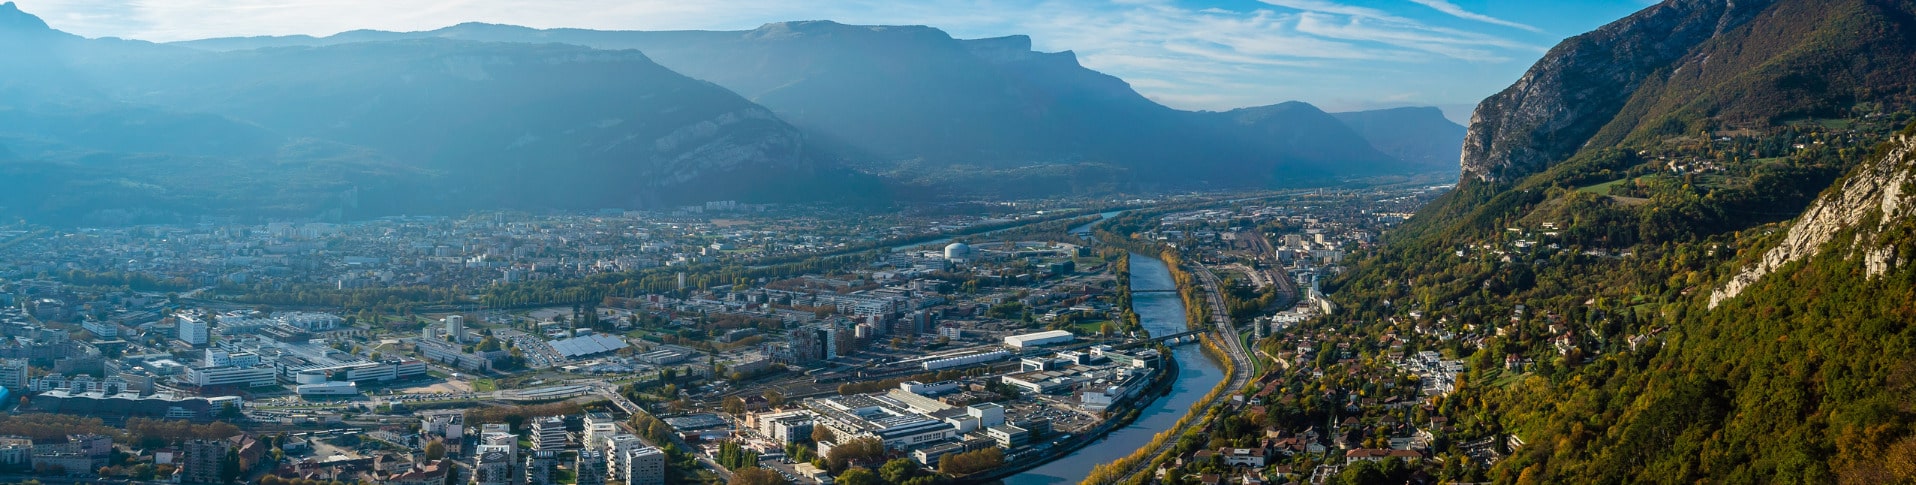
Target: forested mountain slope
[{"x": 1695, "y": 271}]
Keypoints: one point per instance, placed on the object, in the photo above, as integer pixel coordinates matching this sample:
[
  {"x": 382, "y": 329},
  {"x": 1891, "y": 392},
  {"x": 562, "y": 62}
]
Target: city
[
  {"x": 956, "y": 242},
  {"x": 974, "y": 343}
]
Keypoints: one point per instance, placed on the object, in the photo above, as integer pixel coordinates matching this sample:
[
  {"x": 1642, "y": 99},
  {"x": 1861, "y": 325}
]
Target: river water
[{"x": 1163, "y": 314}]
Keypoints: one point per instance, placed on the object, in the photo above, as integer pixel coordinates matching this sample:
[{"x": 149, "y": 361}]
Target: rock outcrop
[{"x": 1874, "y": 196}]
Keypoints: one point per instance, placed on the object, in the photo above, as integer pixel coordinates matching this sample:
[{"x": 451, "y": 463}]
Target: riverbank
[{"x": 1197, "y": 374}]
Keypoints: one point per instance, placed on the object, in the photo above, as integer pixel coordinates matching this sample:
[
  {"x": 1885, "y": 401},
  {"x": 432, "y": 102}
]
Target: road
[
  {"x": 1227, "y": 333},
  {"x": 611, "y": 393}
]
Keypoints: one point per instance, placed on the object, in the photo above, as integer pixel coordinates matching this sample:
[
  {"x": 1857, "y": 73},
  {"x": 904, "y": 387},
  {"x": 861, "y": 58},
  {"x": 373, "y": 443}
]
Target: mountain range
[{"x": 487, "y": 116}]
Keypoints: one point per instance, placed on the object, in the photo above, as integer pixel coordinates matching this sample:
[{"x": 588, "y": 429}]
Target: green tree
[
  {"x": 858, "y": 476},
  {"x": 435, "y": 450},
  {"x": 898, "y": 470},
  {"x": 757, "y": 476}
]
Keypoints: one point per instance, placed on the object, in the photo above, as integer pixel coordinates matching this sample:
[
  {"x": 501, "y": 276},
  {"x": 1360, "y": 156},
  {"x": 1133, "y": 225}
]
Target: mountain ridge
[{"x": 992, "y": 102}]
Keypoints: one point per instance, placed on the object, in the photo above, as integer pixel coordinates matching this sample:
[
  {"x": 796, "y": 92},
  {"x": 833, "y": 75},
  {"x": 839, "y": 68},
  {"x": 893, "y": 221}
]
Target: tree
[
  {"x": 757, "y": 476},
  {"x": 861, "y": 450},
  {"x": 775, "y": 398},
  {"x": 898, "y": 470},
  {"x": 858, "y": 476},
  {"x": 821, "y": 434},
  {"x": 230, "y": 467},
  {"x": 734, "y": 405},
  {"x": 435, "y": 450},
  {"x": 972, "y": 462}
]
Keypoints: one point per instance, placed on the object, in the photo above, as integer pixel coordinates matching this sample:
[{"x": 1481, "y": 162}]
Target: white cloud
[{"x": 1455, "y": 11}]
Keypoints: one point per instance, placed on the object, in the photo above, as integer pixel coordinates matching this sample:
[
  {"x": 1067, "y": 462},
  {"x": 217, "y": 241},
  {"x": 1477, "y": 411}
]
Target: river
[{"x": 1162, "y": 313}]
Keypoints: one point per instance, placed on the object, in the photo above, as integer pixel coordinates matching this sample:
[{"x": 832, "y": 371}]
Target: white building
[
  {"x": 252, "y": 376},
  {"x": 618, "y": 448},
  {"x": 13, "y": 374},
  {"x": 456, "y": 327},
  {"x": 193, "y": 330},
  {"x": 598, "y": 427},
  {"x": 330, "y": 388},
  {"x": 102, "y": 329},
  {"x": 1038, "y": 339}
]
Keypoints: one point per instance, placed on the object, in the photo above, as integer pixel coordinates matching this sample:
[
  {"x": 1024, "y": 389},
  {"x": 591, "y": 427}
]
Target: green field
[
  {"x": 1602, "y": 188},
  {"x": 1088, "y": 328}
]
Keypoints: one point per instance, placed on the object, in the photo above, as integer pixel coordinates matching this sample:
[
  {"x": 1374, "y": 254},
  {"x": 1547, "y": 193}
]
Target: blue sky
[{"x": 1215, "y": 54}]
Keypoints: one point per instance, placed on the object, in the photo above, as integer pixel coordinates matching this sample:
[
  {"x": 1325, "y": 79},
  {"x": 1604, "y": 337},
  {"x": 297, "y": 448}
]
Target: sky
[{"x": 1190, "y": 54}]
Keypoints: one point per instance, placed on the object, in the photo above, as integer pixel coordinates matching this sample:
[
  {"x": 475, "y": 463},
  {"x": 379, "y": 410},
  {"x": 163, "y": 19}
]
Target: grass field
[
  {"x": 1500, "y": 378},
  {"x": 1088, "y": 328},
  {"x": 1602, "y": 188}
]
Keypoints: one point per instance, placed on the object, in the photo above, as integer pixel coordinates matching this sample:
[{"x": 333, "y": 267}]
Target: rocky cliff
[
  {"x": 1582, "y": 83},
  {"x": 1855, "y": 215}
]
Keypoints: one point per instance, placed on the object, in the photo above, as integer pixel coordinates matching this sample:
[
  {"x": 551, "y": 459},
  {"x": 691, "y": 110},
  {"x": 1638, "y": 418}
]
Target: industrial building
[
  {"x": 328, "y": 389},
  {"x": 893, "y": 422},
  {"x": 1039, "y": 339},
  {"x": 966, "y": 359}
]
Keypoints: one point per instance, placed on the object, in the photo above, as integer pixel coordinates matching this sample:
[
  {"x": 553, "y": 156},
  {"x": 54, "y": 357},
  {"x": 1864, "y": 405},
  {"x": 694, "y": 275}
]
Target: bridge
[{"x": 1179, "y": 338}]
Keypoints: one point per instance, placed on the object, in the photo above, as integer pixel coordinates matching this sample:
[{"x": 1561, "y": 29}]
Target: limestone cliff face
[
  {"x": 1868, "y": 202},
  {"x": 1582, "y": 83}
]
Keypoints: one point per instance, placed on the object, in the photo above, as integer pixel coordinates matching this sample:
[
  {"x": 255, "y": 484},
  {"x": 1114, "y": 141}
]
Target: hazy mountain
[
  {"x": 1419, "y": 136},
  {"x": 913, "y": 93},
  {"x": 409, "y": 125}
]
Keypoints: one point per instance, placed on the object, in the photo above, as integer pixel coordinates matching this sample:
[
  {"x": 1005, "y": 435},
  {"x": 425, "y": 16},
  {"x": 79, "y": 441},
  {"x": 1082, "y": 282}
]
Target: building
[
  {"x": 895, "y": 423},
  {"x": 311, "y": 372},
  {"x": 966, "y": 359},
  {"x": 589, "y": 468},
  {"x": 492, "y": 465},
  {"x": 201, "y": 461},
  {"x": 456, "y": 328},
  {"x": 618, "y": 449},
  {"x": 193, "y": 330},
  {"x": 16, "y": 453},
  {"x": 548, "y": 433},
  {"x": 541, "y": 466},
  {"x": 431, "y": 474},
  {"x": 1250, "y": 457},
  {"x": 786, "y": 427},
  {"x": 455, "y": 355},
  {"x": 227, "y": 375},
  {"x": 1008, "y": 436},
  {"x": 958, "y": 252},
  {"x": 1039, "y": 339},
  {"x": 328, "y": 389},
  {"x": 105, "y": 330},
  {"x": 127, "y": 405},
  {"x": 598, "y": 427},
  {"x": 646, "y": 466},
  {"x": 13, "y": 374}
]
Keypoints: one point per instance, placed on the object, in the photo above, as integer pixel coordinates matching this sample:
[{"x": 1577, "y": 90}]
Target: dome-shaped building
[{"x": 958, "y": 252}]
